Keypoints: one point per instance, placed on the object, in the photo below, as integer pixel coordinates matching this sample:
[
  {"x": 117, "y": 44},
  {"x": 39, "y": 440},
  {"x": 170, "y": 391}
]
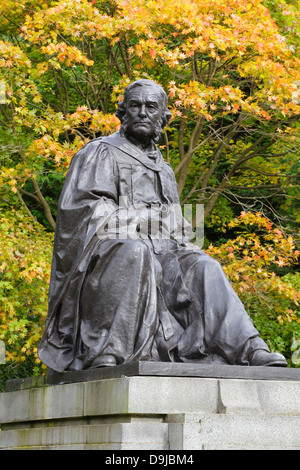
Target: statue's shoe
[
  {"x": 104, "y": 361},
  {"x": 261, "y": 357}
]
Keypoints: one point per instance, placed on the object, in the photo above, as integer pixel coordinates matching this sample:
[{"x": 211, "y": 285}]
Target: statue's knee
[
  {"x": 135, "y": 249},
  {"x": 210, "y": 265}
]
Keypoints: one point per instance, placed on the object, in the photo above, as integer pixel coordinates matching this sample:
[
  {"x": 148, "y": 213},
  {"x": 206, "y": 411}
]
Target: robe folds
[{"x": 132, "y": 294}]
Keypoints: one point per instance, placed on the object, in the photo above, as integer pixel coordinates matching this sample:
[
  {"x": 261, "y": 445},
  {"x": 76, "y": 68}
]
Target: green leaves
[
  {"x": 231, "y": 69},
  {"x": 25, "y": 263},
  {"x": 250, "y": 260}
]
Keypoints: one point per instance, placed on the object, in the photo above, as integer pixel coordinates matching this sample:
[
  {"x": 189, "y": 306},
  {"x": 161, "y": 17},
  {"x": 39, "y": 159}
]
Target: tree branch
[
  {"x": 167, "y": 146},
  {"x": 27, "y": 193},
  {"x": 187, "y": 155},
  {"x": 115, "y": 61},
  {"x": 43, "y": 203},
  {"x": 25, "y": 205},
  {"x": 277, "y": 175}
]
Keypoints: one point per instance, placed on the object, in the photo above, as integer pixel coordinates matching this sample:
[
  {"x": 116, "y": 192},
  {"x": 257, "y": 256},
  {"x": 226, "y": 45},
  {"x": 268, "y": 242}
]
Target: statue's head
[{"x": 144, "y": 112}]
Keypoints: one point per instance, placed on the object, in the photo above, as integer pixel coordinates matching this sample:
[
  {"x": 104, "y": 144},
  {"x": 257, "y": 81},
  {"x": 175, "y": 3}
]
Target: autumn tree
[
  {"x": 250, "y": 258},
  {"x": 230, "y": 74},
  {"x": 231, "y": 69}
]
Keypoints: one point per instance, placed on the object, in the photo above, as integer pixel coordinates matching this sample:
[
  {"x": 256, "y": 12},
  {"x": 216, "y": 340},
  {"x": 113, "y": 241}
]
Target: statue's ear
[{"x": 166, "y": 118}]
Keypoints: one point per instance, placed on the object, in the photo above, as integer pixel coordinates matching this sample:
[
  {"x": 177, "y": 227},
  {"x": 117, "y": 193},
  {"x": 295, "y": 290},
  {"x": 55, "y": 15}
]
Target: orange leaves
[
  {"x": 104, "y": 123},
  {"x": 13, "y": 56},
  {"x": 249, "y": 261},
  {"x": 24, "y": 271},
  {"x": 152, "y": 49},
  {"x": 260, "y": 242},
  {"x": 216, "y": 59},
  {"x": 277, "y": 92},
  {"x": 203, "y": 100},
  {"x": 82, "y": 19},
  {"x": 95, "y": 121},
  {"x": 211, "y": 101},
  {"x": 192, "y": 96},
  {"x": 152, "y": 53},
  {"x": 175, "y": 34},
  {"x": 49, "y": 146},
  {"x": 11, "y": 177},
  {"x": 68, "y": 54}
]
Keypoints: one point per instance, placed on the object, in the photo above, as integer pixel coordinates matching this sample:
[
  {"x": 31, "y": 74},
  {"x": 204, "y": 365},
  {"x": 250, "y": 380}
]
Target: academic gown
[{"x": 129, "y": 295}]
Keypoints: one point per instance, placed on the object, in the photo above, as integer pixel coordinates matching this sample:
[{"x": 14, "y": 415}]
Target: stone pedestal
[{"x": 151, "y": 406}]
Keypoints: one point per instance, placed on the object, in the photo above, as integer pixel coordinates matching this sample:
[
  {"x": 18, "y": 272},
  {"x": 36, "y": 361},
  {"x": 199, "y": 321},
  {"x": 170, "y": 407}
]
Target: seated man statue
[{"x": 120, "y": 293}]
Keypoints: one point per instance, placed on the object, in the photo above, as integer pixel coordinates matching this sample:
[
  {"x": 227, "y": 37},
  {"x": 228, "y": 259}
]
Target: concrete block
[
  {"x": 106, "y": 397},
  {"x": 242, "y": 432},
  {"x": 56, "y": 402},
  {"x": 154, "y": 413},
  {"x": 254, "y": 396},
  {"x": 238, "y": 396},
  {"x": 150, "y": 395},
  {"x": 279, "y": 397},
  {"x": 172, "y": 395},
  {"x": 143, "y": 435},
  {"x": 14, "y": 406}
]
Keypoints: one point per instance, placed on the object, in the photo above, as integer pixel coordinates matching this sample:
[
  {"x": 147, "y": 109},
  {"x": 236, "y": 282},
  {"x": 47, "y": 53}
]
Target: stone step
[
  {"x": 106, "y": 436},
  {"x": 154, "y": 412}
]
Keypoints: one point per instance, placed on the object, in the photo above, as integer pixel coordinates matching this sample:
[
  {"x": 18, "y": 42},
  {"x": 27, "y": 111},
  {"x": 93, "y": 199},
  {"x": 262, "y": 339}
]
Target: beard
[{"x": 154, "y": 136}]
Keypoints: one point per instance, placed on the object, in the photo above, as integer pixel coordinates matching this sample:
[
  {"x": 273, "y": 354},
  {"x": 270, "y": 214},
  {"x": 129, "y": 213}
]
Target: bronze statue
[{"x": 120, "y": 292}]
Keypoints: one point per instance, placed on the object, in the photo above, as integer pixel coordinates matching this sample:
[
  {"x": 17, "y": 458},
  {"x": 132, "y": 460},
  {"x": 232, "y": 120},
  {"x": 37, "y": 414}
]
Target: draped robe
[{"x": 133, "y": 297}]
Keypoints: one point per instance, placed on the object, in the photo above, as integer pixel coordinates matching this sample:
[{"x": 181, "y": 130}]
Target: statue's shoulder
[
  {"x": 93, "y": 153},
  {"x": 95, "y": 143},
  {"x": 114, "y": 139},
  {"x": 104, "y": 142},
  {"x": 168, "y": 168},
  {"x": 100, "y": 146}
]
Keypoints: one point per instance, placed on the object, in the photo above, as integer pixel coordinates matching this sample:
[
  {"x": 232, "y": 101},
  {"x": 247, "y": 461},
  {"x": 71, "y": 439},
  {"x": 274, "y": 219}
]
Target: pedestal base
[{"x": 168, "y": 410}]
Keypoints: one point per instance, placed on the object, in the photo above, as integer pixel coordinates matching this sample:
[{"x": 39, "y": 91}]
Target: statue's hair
[{"x": 121, "y": 111}]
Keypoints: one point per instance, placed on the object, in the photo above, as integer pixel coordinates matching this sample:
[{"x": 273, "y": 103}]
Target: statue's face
[{"x": 143, "y": 111}]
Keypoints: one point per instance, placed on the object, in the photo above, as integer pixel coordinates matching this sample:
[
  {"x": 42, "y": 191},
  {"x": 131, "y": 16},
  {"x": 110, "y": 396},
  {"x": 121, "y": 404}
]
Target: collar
[{"x": 152, "y": 160}]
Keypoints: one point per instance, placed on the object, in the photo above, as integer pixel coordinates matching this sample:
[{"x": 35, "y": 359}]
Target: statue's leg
[
  {"x": 216, "y": 322},
  {"x": 118, "y": 304}
]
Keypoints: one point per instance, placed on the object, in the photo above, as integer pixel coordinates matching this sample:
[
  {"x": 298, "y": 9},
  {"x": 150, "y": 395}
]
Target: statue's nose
[{"x": 143, "y": 111}]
